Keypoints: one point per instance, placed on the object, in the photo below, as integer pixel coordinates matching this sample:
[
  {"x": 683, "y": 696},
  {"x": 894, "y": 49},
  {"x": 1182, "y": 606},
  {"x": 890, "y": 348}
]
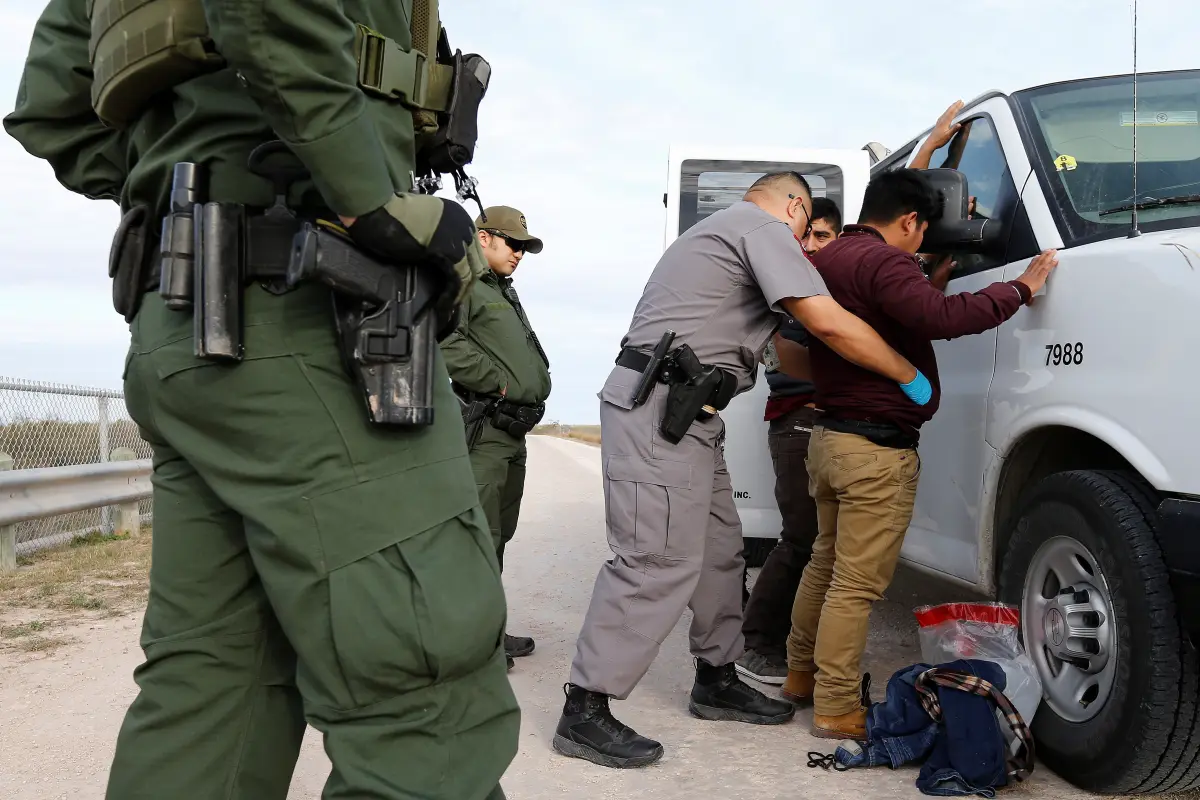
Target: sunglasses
[{"x": 516, "y": 245}]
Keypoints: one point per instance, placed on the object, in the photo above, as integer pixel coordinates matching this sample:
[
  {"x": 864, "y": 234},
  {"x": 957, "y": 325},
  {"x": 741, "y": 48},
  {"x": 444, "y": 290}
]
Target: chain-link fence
[{"x": 55, "y": 425}]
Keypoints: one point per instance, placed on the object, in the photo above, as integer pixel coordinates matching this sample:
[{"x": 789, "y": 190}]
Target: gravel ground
[{"x": 60, "y": 709}]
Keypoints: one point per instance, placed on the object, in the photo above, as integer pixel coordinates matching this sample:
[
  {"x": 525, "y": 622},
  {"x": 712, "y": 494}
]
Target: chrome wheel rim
[{"x": 1069, "y": 628}]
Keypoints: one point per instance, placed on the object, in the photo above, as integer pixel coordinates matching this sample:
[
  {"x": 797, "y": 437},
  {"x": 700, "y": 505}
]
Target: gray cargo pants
[{"x": 676, "y": 541}]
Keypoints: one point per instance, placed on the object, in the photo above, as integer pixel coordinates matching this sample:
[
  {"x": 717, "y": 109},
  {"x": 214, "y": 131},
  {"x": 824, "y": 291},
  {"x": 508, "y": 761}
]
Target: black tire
[
  {"x": 755, "y": 551},
  {"x": 1145, "y": 738}
]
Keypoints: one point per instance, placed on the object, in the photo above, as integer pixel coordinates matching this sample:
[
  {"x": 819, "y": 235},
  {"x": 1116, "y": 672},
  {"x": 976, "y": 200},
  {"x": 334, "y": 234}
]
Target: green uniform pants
[
  {"x": 307, "y": 567},
  {"x": 499, "y": 464}
]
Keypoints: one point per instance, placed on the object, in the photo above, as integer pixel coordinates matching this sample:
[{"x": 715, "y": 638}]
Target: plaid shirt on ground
[{"x": 1020, "y": 766}]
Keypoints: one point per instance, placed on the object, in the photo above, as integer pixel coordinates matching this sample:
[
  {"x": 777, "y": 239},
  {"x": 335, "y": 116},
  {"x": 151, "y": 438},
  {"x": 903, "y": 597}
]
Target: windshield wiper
[{"x": 1154, "y": 202}]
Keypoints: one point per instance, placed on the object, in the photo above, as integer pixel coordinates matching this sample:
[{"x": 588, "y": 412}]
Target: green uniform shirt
[
  {"x": 494, "y": 347},
  {"x": 291, "y": 70}
]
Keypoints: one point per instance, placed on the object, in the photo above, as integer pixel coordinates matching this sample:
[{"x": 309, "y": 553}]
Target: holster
[
  {"x": 695, "y": 392},
  {"x": 451, "y": 146},
  {"x": 686, "y": 403},
  {"x": 208, "y": 252},
  {"x": 475, "y": 413},
  {"x": 385, "y": 327},
  {"x": 127, "y": 262},
  {"x": 515, "y": 419},
  {"x": 217, "y": 291}
]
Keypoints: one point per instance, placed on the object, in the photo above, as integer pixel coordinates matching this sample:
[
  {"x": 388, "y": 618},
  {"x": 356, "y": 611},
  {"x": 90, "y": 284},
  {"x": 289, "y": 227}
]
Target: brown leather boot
[
  {"x": 799, "y": 687},
  {"x": 845, "y": 726}
]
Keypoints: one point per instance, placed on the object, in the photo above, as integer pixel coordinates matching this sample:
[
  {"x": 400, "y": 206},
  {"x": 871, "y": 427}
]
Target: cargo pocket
[
  {"x": 373, "y": 621},
  {"x": 651, "y": 507},
  {"x": 422, "y": 611},
  {"x": 617, "y": 393}
]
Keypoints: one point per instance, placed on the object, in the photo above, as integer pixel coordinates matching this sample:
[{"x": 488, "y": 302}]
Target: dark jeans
[{"x": 768, "y": 614}]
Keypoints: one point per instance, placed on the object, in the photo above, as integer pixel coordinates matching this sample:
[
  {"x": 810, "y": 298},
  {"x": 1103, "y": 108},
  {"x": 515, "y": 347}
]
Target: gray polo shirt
[{"x": 718, "y": 286}]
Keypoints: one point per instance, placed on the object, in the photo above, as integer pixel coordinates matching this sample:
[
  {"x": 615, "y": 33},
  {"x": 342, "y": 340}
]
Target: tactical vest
[{"x": 139, "y": 48}]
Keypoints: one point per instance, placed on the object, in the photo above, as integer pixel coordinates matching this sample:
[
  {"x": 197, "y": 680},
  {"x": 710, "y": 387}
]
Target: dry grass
[
  {"x": 93, "y": 577},
  {"x": 585, "y": 433},
  {"x": 581, "y": 433}
]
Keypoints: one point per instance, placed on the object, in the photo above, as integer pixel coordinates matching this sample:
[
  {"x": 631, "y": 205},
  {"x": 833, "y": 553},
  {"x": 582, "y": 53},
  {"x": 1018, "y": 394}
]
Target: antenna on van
[{"x": 1135, "y": 232}]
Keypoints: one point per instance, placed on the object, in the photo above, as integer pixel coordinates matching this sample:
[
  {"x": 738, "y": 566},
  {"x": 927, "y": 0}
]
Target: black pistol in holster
[
  {"x": 385, "y": 322},
  {"x": 475, "y": 413},
  {"x": 695, "y": 392}
]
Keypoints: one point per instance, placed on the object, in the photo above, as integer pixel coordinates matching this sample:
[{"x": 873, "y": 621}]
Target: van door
[
  {"x": 703, "y": 180},
  {"x": 944, "y": 534}
]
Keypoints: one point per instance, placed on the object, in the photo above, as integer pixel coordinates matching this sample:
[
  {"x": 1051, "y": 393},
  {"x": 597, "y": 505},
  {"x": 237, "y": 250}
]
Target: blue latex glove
[{"x": 918, "y": 389}]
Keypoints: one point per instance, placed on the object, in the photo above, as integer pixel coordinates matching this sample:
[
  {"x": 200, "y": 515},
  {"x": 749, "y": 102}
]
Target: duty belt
[
  {"x": 515, "y": 419},
  {"x": 266, "y": 246},
  {"x": 695, "y": 393},
  {"x": 209, "y": 250},
  {"x": 638, "y": 361}
]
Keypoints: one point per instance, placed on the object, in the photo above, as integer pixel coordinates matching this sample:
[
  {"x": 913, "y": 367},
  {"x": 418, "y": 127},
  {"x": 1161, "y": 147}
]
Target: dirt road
[{"x": 59, "y": 712}]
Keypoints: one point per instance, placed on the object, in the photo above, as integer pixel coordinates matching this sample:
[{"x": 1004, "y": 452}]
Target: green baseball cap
[{"x": 510, "y": 222}]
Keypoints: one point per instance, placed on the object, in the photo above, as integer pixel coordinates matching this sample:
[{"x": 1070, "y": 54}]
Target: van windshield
[{"x": 1082, "y": 134}]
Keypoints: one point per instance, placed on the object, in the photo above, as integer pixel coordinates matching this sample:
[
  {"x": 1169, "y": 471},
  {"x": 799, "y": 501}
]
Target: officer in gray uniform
[{"x": 697, "y": 337}]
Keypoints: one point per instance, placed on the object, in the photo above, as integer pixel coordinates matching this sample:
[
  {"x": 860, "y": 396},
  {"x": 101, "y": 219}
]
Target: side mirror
[{"x": 954, "y": 233}]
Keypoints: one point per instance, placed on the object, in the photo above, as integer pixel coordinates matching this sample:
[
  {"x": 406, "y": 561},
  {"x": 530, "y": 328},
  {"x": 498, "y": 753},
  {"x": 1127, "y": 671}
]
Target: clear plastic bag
[{"x": 986, "y": 631}]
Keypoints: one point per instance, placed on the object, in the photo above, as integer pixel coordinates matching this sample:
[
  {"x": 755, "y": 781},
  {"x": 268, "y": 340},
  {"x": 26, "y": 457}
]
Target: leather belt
[
  {"x": 884, "y": 434},
  {"x": 633, "y": 359}
]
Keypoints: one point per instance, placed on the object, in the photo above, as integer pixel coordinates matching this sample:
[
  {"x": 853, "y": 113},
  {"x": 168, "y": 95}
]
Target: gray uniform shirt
[{"x": 718, "y": 286}]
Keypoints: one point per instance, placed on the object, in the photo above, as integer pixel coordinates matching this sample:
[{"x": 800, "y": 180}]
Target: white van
[{"x": 1061, "y": 471}]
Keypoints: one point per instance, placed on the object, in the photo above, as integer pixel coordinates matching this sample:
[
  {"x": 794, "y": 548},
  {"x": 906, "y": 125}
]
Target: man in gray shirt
[{"x": 672, "y": 524}]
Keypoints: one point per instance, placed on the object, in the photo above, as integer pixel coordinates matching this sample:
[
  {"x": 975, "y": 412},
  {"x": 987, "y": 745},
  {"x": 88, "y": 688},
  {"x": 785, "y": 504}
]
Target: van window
[
  {"x": 1081, "y": 136},
  {"x": 975, "y": 151},
  {"x": 706, "y": 187}
]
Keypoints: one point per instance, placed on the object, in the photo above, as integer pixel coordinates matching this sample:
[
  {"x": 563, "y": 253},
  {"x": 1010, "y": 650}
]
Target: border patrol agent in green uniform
[
  {"x": 320, "y": 554},
  {"x": 502, "y": 377}
]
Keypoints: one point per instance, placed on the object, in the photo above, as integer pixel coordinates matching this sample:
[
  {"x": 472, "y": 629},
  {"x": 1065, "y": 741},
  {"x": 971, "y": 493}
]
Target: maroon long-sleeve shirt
[{"x": 884, "y": 286}]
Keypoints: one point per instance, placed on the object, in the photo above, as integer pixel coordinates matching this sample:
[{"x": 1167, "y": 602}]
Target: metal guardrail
[
  {"x": 60, "y": 426},
  {"x": 29, "y": 494},
  {"x": 35, "y": 493}
]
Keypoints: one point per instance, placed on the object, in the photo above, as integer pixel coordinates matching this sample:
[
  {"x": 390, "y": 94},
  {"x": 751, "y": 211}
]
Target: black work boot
[
  {"x": 588, "y": 730},
  {"x": 517, "y": 646},
  {"x": 718, "y": 694}
]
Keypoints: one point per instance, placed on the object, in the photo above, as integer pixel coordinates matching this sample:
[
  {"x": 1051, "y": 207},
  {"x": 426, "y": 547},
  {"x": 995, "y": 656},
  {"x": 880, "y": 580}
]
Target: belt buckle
[{"x": 370, "y": 59}]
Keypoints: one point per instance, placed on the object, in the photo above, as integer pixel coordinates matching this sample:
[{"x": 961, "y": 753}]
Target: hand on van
[
  {"x": 1038, "y": 271},
  {"x": 943, "y": 131}
]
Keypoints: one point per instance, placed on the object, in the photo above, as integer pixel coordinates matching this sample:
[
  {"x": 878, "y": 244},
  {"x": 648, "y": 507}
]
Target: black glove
[{"x": 429, "y": 232}]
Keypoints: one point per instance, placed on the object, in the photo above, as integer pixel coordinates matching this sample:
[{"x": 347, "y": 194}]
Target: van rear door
[{"x": 703, "y": 180}]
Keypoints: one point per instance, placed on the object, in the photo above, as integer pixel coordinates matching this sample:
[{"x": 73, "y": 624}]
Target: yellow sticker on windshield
[{"x": 1065, "y": 162}]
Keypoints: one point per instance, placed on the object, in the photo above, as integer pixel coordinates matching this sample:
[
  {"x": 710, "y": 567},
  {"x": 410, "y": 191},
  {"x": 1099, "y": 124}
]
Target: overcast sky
[{"x": 586, "y": 98}]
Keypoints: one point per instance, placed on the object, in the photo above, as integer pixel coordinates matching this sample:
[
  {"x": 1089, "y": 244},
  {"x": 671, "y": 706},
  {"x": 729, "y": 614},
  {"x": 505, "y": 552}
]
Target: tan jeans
[{"x": 864, "y": 495}]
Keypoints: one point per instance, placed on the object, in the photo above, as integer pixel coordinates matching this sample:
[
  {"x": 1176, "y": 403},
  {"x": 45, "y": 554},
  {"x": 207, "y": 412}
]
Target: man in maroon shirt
[{"x": 862, "y": 459}]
